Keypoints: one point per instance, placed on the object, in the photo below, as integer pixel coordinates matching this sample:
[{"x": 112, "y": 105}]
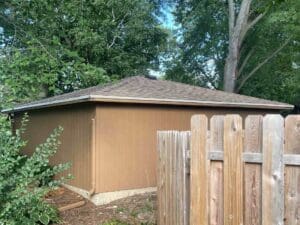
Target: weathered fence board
[
  {"x": 233, "y": 170},
  {"x": 216, "y": 171},
  {"x": 273, "y": 175},
  {"x": 248, "y": 176},
  {"x": 292, "y": 173},
  {"x": 199, "y": 171},
  {"x": 172, "y": 180},
  {"x": 252, "y": 172}
]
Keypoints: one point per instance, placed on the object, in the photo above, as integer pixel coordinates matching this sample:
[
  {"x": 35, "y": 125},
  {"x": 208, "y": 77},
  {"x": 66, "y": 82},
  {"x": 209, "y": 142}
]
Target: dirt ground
[{"x": 135, "y": 210}]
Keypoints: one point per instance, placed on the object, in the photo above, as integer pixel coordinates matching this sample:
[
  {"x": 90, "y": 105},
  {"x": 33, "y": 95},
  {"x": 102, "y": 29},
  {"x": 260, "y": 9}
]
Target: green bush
[{"x": 22, "y": 178}]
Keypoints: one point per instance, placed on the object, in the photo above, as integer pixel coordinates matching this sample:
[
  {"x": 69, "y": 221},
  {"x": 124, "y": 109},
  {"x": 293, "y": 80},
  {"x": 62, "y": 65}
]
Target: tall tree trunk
[
  {"x": 239, "y": 25},
  {"x": 237, "y": 30},
  {"x": 230, "y": 70}
]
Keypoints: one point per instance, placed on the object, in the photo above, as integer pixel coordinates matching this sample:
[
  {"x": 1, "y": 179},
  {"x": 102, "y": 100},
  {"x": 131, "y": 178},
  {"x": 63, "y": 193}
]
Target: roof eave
[
  {"x": 68, "y": 101},
  {"x": 97, "y": 98},
  {"x": 188, "y": 102}
]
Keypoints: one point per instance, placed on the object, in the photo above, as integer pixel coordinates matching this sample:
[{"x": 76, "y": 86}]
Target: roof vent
[{"x": 151, "y": 77}]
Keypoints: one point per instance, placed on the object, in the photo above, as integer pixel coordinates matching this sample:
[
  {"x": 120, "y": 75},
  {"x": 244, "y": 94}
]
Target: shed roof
[{"x": 140, "y": 89}]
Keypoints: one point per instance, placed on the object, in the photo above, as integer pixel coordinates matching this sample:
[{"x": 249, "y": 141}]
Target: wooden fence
[{"x": 233, "y": 172}]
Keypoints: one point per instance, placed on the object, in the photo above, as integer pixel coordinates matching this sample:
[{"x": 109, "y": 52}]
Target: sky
[
  {"x": 168, "y": 21},
  {"x": 167, "y": 18}
]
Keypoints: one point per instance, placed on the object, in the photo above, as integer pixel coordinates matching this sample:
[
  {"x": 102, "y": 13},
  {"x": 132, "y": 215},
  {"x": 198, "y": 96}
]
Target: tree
[
  {"x": 269, "y": 36},
  {"x": 31, "y": 74},
  {"x": 201, "y": 38},
  {"x": 279, "y": 78},
  {"x": 239, "y": 25},
  {"x": 59, "y": 46}
]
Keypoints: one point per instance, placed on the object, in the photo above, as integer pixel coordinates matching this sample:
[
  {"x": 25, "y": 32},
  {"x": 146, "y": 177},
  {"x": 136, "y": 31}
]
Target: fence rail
[{"x": 230, "y": 171}]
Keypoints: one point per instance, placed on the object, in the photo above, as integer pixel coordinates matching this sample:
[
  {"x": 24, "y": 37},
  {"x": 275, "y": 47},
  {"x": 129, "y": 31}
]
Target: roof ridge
[{"x": 118, "y": 83}]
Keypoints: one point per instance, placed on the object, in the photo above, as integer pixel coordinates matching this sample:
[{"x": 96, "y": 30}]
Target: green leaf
[{"x": 44, "y": 219}]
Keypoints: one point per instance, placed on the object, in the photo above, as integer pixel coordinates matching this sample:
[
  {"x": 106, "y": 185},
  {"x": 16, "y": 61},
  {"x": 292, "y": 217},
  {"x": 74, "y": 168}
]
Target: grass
[
  {"x": 146, "y": 208},
  {"x": 118, "y": 222},
  {"x": 115, "y": 222}
]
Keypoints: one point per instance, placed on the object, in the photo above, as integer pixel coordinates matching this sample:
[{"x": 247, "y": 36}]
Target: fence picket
[
  {"x": 272, "y": 185},
  {"x": 216, "y": 171},
  {"x": 199, "y": 171},
  {"x": 173, "y": 181},
  {"x": 292, "y": 173},
  {"x": 160, "y": 178},
  {"x": 180, "y": 188},
  {"x": 252, "y": 173},
  {"x": 185, "y": 186},
  {"x": 233, "y": 170},
  {"x": 169, "y": 212}
]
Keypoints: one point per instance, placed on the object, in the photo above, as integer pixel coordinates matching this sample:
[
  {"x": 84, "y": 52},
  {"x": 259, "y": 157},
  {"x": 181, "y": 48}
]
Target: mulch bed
[{"x": 135, "y": 210}]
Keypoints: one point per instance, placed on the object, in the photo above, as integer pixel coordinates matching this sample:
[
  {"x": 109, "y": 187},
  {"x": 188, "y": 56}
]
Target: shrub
[{"x": 22, "y": 185}]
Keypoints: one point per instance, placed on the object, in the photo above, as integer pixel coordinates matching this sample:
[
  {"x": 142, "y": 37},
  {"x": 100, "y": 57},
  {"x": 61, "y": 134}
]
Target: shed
[{"x": 110, "y": 130}]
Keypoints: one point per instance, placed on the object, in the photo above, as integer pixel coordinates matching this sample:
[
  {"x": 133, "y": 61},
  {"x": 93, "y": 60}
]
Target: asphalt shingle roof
[{"x": 140, "y": 89}]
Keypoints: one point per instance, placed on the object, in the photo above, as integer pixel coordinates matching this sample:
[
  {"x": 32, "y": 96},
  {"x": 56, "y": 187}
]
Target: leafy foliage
[
  {"x": 203, "y": 46},
  {"x": 279, "y": 79},
  {"x": 22, "y": 185},
  {"x": 204, "y": 34},
  {"x": 32, "y": 74},
  {"x": 52, "y": 47}
]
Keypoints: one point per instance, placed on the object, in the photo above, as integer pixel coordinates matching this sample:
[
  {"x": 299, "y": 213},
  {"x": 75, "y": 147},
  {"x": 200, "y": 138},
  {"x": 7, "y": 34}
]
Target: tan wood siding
[
  {"x": 76, "y": 137},
  {"x": 126, "y": 140}
]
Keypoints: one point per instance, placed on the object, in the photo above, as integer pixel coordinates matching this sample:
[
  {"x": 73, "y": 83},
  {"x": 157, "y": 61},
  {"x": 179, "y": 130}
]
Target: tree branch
[
  {"x": 118, "y": 26},
  {"x": 113, "y": 15},
  {"x": 245, "y": 62},
  {"x": 113, "y": 41},
  {"x": 210, "y": 80},
  {"x": 256, "y": 20},
  {"x": 244, "y": 80},
  {"x": 242, "y": 18},
  {"x": 251, "y": 24}
]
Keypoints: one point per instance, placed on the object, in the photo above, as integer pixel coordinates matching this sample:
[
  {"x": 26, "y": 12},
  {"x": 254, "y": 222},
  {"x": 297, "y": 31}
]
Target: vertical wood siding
[
  {"x": 76, "y": 138},
  {"x": 126, "y": 141}
]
